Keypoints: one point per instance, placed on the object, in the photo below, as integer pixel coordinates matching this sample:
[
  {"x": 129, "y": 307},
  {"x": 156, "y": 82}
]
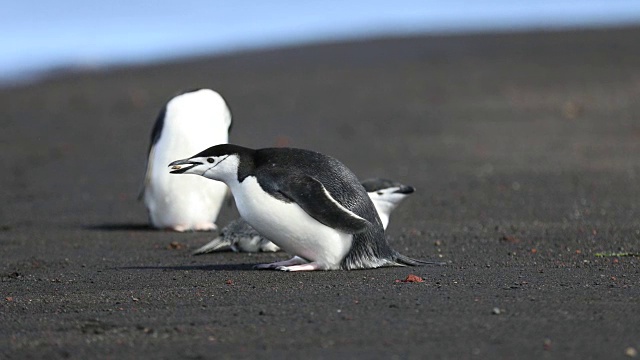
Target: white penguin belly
[
  {"x": 290, "y": 227},
  {"x": 185, "y": 202},
  {"x": 188, "y": 202}
]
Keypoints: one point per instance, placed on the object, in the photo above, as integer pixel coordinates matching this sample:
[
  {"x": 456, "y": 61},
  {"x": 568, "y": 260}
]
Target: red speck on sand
[{"x": 412, "y": 278}]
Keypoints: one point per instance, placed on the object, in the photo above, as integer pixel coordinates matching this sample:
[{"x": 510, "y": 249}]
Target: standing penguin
[
  {"x": 187, "y": 123},
  {"x": 239, "y": 236},
  {"x": 309, "y": 204}
]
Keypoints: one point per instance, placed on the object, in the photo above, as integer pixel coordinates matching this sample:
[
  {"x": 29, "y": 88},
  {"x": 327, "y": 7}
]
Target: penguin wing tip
[
  {"x": 217, "y": 244},
  {"x": 359, "y": 225},
  {"x": 314, "y": 198}
]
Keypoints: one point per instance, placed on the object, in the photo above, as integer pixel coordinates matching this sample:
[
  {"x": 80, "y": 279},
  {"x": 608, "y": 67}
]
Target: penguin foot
[
  {"x": 217, "y": 244},
  {"x": 296, "y": 260},
  {"x": 198, "y": 227},
  {"x": 205, "y": 227},
  {"x": 178, "y": 228},
  {"x": 312, "y": 266}
]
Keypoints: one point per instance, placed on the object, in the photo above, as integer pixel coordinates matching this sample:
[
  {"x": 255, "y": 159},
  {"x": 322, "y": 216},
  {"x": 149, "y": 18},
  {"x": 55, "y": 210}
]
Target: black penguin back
[{"x": 339, "y": 181}]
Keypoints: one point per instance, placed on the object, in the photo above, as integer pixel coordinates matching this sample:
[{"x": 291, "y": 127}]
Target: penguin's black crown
[{"x": 222, "y": 150}]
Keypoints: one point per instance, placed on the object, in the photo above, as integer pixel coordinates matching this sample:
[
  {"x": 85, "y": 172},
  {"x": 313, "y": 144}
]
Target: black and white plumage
[
  {"x": 239, "y": 236},
  {"x": 386, "y": 196},
  {"x": 309, "y": 204},
  {"x": 188, "y": 123}
]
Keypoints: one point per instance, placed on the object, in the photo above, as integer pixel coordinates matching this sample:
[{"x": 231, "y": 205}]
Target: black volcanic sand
[{"x": 524, "y": 149}]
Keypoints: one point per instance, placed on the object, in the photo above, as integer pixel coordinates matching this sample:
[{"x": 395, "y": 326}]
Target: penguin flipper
[
  {"x": 156, "y": 131},
  {"x": 217, "y": 244},
  {"x": 316, "y": 201},
  {"x": 147, "y": 174}
]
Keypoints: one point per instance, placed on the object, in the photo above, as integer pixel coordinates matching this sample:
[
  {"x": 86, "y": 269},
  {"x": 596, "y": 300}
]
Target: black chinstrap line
[{"x": 216, "y": 164}]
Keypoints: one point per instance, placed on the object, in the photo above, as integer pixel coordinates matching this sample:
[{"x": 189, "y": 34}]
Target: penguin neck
[
  {"x": 384, "y": 209},
  {"x": 246, "y": 164},
  {"x": 235, "y": 168}
]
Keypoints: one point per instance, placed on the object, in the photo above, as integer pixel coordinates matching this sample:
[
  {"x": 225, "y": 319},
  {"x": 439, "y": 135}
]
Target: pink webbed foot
[
  {"x": 198, "y": 227},
  {"x": 205, "y": 227},
  {"x": 312, "y": 266},
  {"x": 286, "y": 263},
  {"x": 178, "y": 228}
]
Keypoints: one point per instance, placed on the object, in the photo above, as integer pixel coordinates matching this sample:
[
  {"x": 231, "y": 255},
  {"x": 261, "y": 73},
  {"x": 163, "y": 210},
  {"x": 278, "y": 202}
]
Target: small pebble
[
  {"x": 631, "y": 352},
  {"x": 496, "y": 311},
  {"x": 413, "y": 278}
]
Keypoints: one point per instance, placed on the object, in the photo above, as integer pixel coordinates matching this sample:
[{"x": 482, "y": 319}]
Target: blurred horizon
[{"x": 79, "y": 35}]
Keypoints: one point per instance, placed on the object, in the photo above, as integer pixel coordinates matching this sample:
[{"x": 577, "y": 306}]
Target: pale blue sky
[{"x": 37, "y": 35}]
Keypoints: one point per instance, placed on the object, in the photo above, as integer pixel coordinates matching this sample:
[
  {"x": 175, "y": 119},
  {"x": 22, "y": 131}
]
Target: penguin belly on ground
[
  {"x": 239, "y": 236},
  {"x": 307, "y": 203},
  {"x": 188, "y": 123}
]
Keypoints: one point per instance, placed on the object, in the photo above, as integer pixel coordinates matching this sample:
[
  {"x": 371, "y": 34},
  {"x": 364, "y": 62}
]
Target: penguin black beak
[
  {"x": 405, "y": 190},
  {"x": 180, "y": 166}
]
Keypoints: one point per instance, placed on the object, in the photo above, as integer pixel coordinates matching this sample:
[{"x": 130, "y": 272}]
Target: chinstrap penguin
[
  {"x": 309, "y": 204},
  {"x": 188, "y": 123},
  {"x": 239, "y": 236},
  {"x": 386, "y": 196}
]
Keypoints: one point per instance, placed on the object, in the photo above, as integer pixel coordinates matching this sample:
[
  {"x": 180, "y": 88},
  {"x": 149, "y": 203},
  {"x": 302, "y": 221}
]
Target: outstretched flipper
[{"x": 217, "y": 244}]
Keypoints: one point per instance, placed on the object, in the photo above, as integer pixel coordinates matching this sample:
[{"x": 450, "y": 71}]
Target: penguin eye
[
  {"x": 210, "y": 160},
  {"x": 380, "y": 192}
]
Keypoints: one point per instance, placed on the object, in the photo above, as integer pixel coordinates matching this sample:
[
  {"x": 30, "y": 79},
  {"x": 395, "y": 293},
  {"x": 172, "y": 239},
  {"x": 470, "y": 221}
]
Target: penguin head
[
  {"x": 198, "y": 105},
  {"x": 218, "y": 162},
  {"x": 386, "y": 194}
]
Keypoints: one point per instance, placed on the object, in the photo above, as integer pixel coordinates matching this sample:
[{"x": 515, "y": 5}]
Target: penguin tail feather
[
  {"x": 402, "y": 260},
  {"x": 217, "y": 244}
]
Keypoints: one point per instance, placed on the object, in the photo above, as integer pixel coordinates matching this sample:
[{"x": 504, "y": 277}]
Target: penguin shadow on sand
[
  {"x": 142, "y": 227},
  {"x": 208, "y": 267}
]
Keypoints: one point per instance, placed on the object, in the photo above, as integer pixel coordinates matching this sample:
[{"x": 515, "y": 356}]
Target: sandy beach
[{"x": 524, "y": 150}]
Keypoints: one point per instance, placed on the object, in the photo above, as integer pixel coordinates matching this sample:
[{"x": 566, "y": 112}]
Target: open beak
[
  {"x": 180, "y": 166},
  {"x": 405, "y": 190}
]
